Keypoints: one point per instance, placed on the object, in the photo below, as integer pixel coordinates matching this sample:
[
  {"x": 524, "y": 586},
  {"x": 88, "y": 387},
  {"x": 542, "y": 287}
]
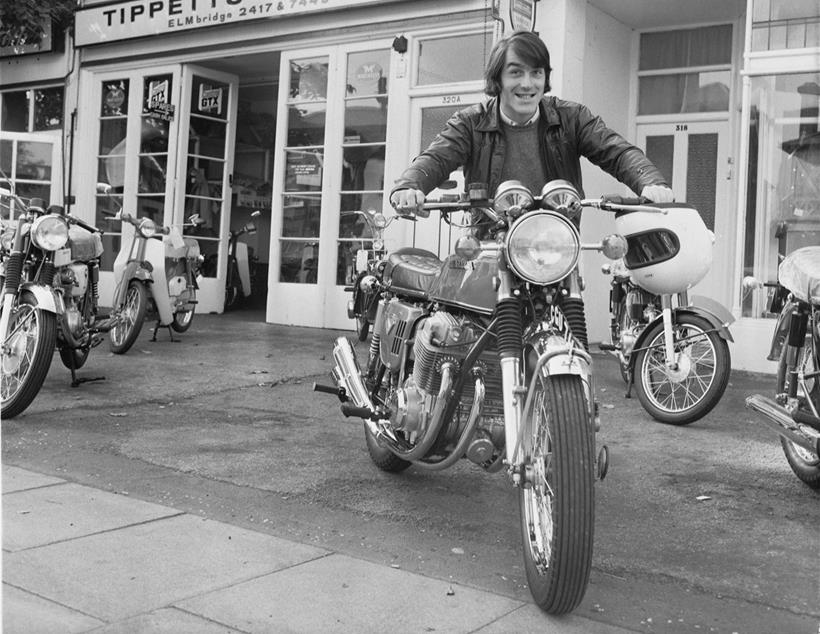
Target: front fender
[
  {"x": 45, "y": 297},
  {"x": 721, "y": 324}
]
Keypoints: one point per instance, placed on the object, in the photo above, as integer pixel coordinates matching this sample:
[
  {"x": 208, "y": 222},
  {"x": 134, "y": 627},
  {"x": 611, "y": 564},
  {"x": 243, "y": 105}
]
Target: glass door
[
  {"x": 329, "y": 164},
  {"x": 693, "y": 156},
  {"x": 204, "y": 173}
]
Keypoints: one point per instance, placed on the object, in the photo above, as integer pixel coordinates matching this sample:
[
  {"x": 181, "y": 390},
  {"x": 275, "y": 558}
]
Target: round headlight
[
  {"x": 543, "y": 247},
  {"x": 49, "y": 232},
  {"x": 512, "y": 195},
  {"x": 147, "y": 228},
  {"x": 379, "y": 220}
]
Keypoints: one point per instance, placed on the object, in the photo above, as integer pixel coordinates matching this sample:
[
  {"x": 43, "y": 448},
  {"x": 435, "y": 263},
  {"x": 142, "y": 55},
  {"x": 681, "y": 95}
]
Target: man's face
[{"x": 522, "y": 87}]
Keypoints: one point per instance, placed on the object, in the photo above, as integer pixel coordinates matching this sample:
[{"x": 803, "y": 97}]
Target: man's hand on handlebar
[
  {"x": 658, "y": 194},
  {"x": 409, "y": 202}
]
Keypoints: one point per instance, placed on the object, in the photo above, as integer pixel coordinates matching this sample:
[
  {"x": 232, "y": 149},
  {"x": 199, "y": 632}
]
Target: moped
[
  {"x": 49, "y": 269},
  {"x": 794, "y": 410},
  {"x": 157, "y": 263},
  {"x": 238, "y": 279}
]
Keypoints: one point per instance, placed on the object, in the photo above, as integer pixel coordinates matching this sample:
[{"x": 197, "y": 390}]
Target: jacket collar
[{"x": 491, "y": 119}]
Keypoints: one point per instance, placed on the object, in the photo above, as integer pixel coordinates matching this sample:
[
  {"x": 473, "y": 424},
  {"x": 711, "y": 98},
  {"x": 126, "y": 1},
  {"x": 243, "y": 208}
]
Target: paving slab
[
  {"x": 530, "y": 618},
  {"x": 36, "y": 517},
  {"x": 137, "y": 569},
  {"x": 26, "y": 613},
  {"x": 343, "y": 594},
  {"x": 166, "y": 621},
  {"x": 16, "y": 479}
]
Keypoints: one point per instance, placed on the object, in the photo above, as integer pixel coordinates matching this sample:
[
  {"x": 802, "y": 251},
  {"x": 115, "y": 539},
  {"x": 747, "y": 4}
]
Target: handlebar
[
  {"x": 135, "y": 222},
  {"x": 608, "y": 202},
  {"x": 80, "y": 223}
]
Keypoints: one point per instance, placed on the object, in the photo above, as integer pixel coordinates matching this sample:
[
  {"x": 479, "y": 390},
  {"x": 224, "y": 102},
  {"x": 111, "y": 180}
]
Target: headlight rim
[
  {"x": 147, "y": 228},
  {"x": 46, "y": 241},
  {"x": 529, "y": 217}
]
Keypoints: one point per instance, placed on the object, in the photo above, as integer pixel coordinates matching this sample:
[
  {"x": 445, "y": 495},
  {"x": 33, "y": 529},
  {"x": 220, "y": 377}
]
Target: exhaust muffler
[{"x": 778, "y": 418}]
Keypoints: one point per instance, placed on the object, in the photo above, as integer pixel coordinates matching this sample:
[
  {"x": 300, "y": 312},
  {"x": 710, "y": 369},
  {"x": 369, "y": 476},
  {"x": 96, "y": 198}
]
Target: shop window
[
  {"x": 36, "y": 110},
  {"x": 26, "y": 168},
  {"x": 304, "y": 170},
  {"x": 685, "y": 71},
  {"x": 452, "y": 59},
  {"x": 785, "y": 24},
  {"x": 783, "y": 185}
]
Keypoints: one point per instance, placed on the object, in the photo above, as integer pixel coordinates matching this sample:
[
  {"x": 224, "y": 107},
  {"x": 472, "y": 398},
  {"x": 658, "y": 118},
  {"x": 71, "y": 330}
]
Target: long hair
[{"x": 528, "y": 46}]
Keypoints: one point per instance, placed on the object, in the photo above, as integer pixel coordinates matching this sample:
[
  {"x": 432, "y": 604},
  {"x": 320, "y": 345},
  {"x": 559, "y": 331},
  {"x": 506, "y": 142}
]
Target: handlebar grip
[
  {"x": 84, "y": 225},
  {"x": 616, "y": 199}
]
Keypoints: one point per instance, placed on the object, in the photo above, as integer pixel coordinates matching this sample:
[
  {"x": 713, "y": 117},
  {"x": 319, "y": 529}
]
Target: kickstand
[
  {"x": 629, "y": 387},
  {"x": 75, "y": 382},
  {"x": 170, "y": 333}
]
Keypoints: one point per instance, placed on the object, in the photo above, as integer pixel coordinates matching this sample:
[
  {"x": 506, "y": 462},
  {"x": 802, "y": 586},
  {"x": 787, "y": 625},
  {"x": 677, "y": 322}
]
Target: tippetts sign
[{"x": 138, "y": 18}]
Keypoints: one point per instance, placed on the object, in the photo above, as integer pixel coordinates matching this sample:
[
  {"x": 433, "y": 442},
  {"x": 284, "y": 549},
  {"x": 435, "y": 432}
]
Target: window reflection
[
  {"x": 301, "y": 216},
  {"x": 303, "y": 170},
  {"x": 308, "y": 79},
  {"x": 299, "y": 262},
  {"x": 453, "y": 59}
]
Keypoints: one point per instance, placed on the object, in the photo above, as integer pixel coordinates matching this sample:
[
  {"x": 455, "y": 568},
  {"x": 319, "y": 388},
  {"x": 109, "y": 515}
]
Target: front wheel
[
  {"x": 557, "y": 501},
  {"x": 804, "y": 463},
  {"x": 687, "y": 392},
  {"x": 381, "y": 456},
  {"x": 27, "y": 353},
  {"x": 131, "y": 316}
]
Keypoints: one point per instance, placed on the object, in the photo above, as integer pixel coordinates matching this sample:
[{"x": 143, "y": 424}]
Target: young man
[{"x": 522, "y": 134}]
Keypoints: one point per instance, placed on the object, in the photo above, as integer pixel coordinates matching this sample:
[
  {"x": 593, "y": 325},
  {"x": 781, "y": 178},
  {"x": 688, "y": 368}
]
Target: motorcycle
[
  {"x": 158, "y": 263},
  {"x": 50, "y": 272},
  {"x": 238, "y": 279},
  {"x": 794, "y": 412},
  {"x": 362, "y": 307},
  {"x": 484, "y": 355},
  {"x": 673, "y": 348}
]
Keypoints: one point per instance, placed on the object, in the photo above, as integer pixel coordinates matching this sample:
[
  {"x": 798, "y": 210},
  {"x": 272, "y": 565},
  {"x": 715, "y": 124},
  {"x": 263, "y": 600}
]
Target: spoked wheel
[
  {"x": 683, "y": 394},
  {"x": 132, "y": 316},
  {"x": 558, "y": 502},
  {"x": 27, "y": 353},
  {"x": 804, "y": 463}
]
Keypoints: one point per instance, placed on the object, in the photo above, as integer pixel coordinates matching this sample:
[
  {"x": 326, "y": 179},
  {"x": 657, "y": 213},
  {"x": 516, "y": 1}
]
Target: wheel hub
[
  {"x": 13, "y": 352},
  {"x": 681, "y": 370}
]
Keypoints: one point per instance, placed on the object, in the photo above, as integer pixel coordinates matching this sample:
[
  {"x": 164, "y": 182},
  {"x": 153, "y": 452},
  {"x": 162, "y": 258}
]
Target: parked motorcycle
[
  {"x": 238, "y": 279},
  {"x": 362, "y": 307},
  {"x": 672, "y": 347},
  {"x": 50, "y": 271},
  {"x": 794, "y": 412},
  {"x": 484, "y": 356},
  {"x": 156, "y": 263}
]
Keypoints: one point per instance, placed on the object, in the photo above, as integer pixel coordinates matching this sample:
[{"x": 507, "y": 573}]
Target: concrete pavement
[{"x": 78, "y": 559}]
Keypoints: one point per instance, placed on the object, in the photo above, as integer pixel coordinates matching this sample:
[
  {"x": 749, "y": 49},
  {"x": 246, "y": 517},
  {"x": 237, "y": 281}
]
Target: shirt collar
[{"x": 513, "y": 124}]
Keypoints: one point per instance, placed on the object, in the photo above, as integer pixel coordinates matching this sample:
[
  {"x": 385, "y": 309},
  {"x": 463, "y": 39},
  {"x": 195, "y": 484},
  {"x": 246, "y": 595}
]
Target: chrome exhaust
[
  {"x": 778, "y": 418},
  {"x": 348, "y": 375}
]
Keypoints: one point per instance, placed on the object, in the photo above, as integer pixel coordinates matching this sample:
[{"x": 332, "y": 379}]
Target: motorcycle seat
[
  {"x": 411, "y": 271},
  {"x": 800, "y": 273}
]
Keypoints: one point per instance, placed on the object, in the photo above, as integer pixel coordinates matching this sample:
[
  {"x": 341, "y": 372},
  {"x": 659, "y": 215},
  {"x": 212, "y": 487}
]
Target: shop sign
[
  {"x": 140, "y": 18},
  {"x": 158, "y": 105},
  {"x": 210, "y": 99}
]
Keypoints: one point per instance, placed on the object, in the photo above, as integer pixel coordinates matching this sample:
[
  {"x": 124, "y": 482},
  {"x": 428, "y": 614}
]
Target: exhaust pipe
[{"x": 778, "y": 418}]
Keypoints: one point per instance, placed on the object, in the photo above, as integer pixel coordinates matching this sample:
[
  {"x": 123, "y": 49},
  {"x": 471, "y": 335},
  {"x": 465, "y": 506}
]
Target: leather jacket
[{"x": 473, "y": 138}]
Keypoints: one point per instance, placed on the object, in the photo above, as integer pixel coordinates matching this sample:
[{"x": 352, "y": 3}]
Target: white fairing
[
  {"x": 800, "y": 273},
  {"x": 686, "y": 268}
]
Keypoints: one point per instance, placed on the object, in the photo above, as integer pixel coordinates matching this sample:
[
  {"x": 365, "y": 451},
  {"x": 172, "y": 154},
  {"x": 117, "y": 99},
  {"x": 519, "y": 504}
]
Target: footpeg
[
  {"x": 349, "y": 410},
  {"x": 331, "y": 389},
  {"x": 608, "y": 347}
]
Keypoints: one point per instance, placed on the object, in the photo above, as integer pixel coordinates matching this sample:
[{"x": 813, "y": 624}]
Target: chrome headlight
[
  {"x": 379, "y": 221},
  {"x": 49, "y": 232},
  {"x": 148, "y": 228},
  {"x": 543, "y": 247}
]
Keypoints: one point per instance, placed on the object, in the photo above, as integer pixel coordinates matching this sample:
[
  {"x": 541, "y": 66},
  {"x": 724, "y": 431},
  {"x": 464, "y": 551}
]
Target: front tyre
[
  {"x": 381, "y": 456},
  {"x": 131, "y": 317},
  {"x": 27, "y": 353},
  {"x": 558, "y": 502},
  {"x": 688, "y": 392},
  {"x": 804, "y": 463}
]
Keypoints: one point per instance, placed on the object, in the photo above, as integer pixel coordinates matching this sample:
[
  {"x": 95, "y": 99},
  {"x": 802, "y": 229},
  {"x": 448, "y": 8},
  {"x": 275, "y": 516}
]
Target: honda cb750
[
  {"x": 50, "y": 273},
  {"x": 673, "y": 347},
  {"x": 484, "y": 356},
  {"x": 794, "y": 412}
]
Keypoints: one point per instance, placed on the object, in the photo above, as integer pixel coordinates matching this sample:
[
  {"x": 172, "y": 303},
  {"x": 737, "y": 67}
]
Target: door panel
[{"x": 693, "y": 157}]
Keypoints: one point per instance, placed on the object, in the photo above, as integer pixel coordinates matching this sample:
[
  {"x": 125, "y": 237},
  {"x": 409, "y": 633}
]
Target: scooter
[
  {"x": 156, "y": 262},
  {"x": 238, "y": 279}
]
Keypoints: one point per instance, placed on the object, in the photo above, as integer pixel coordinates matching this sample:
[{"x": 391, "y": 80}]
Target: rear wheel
[
  {"x": 183, "y": 319},
  {"x": 688, "y": 392},
  {"x": 27, "y": 353},
  {"x": 131, "y": 317},
  {"x": 804, "y": 463},
  {"x": 558, "y": 502}
]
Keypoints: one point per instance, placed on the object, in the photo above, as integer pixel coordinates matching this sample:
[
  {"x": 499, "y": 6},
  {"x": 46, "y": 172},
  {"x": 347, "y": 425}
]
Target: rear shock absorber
[
  {"x": 509, "y": 327},
  {"x": 573, "y": 309}
]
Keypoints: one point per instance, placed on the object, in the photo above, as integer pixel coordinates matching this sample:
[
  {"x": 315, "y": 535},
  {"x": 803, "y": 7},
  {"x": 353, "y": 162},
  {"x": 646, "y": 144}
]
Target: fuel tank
[{"x": 467, "y": 283}]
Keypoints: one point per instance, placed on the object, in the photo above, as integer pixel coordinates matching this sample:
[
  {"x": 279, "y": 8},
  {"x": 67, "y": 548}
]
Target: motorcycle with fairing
[
  {"x": 794, "y": 412},
  {"x": 50, "y": 273},
  {"x": 484, "y": 356},
  {"x": 672, "y": 346}
]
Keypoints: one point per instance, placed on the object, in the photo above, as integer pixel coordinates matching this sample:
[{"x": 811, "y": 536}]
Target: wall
[{"x": 606, "y": 90}]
